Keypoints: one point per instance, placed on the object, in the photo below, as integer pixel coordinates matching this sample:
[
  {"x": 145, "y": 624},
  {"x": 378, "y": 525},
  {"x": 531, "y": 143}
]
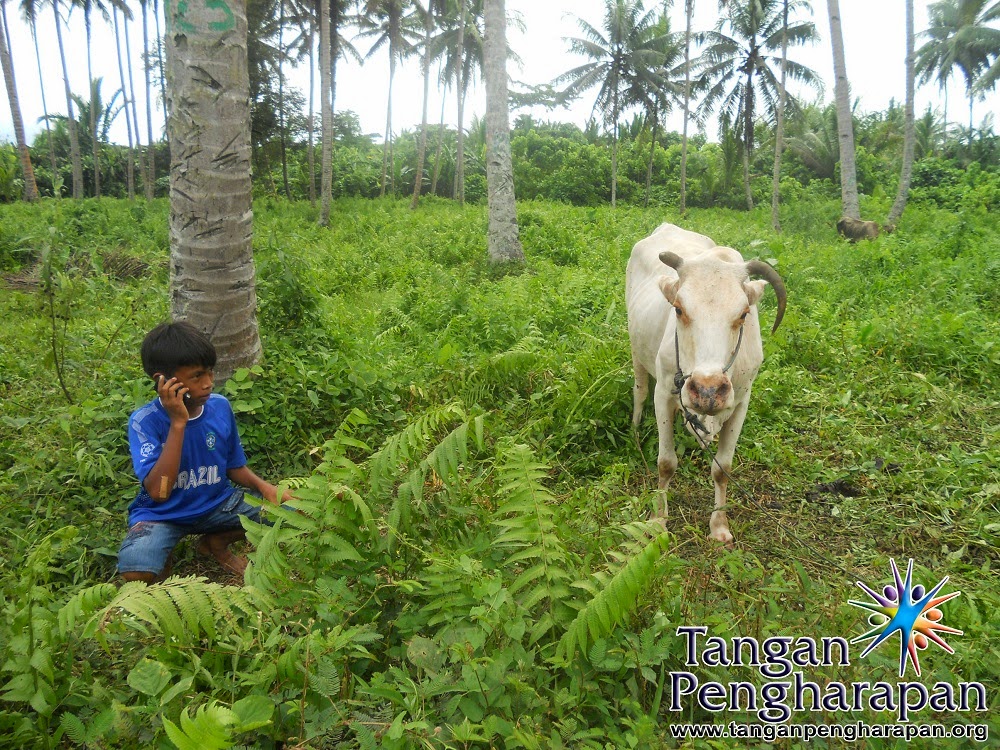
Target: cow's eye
[
  {"x": 744, "y": 315},
  {"x": 678, "y": 311}
]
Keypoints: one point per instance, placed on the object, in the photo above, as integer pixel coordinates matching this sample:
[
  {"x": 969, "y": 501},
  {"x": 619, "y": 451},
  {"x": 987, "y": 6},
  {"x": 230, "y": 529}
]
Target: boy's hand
[
  {"x": 270, "y": 493},
  {"x": 171, "y": 392}
]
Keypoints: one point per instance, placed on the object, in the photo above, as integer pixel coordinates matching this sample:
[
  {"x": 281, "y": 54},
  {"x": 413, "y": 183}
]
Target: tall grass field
[{"x": 471, "y": 563}]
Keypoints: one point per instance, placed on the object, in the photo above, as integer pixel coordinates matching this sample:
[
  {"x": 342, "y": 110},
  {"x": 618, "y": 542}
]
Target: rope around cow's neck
[{"x": 680, "y": 378}]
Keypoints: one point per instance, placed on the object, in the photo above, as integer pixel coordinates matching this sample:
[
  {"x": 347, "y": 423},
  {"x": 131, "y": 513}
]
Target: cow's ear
[
  {"x": 668, "y": 285},
  {"x": 754, "y": 289}
]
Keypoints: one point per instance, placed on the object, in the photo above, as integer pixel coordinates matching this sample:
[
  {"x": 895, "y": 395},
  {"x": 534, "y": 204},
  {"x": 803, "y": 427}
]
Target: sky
[{"x": 874, "y": 48}]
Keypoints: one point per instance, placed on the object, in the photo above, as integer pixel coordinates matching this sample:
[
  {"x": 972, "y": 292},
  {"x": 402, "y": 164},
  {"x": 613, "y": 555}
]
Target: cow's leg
[
  {"x": 639, "y": 392},
  {"x": 721, "y": 468},
  {"x": 666, "y": 457}
]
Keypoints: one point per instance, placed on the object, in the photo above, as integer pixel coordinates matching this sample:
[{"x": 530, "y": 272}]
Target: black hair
[{"x": 172, "y": 345}]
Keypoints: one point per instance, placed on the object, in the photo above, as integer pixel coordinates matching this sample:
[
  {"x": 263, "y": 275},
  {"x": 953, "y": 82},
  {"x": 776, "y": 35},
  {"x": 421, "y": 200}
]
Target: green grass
[{"x": 884, "y": 376}]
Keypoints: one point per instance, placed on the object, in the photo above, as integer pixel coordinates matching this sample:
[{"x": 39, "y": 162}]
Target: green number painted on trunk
[{"x": 182, "y": 24}]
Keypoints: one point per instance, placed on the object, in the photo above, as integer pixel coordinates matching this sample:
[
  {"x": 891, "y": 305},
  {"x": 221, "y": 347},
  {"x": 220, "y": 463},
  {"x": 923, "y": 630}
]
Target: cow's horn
[
  {"x": 672, "y": 259},
  {"x": 765, "y": 271}
]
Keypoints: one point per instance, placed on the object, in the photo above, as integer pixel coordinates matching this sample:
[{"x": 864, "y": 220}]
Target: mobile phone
[{"x": 158, "y": 378}]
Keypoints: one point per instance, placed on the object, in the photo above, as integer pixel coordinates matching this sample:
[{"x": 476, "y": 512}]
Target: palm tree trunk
[
  {"x": 851, "y": 208},
  {"x": 74, "y": 138},
  {"x": 779, "y": 123},
  {"x": 909, "y": 128},
  {"x": 335, "y": 10},
  {"x": 159, "y": 57},
  {"x": 387, "y": 143},
  {"x": 970, "y": 115},
  {"x": 460, "y": 80},
  {"x": 150, "y": 181},
  {"x": 614, "y": 163},
  {"x": 212, "y": 278},
  {"x": 688, "y": 12},
  {"x": 614, "y": 145},
  {"x": 326, "y": 113},
  {"x": 30, "y": 188},
  {"x": 94, "y": 148},
  {"x": 129, "y": 166},
  {"x": 281, "y": 99},
  {"x": 422, "y": 148},
  {"x": 748, "y": 132},
  {"x": 437, "y": 152},
  {"x": 502, "y": 234},
  {"x": 652, "y": 153},
  {"x": 311, "y": 120},
  {"x": 132, "y": 97},
  {"x": 56, "y": 192}
]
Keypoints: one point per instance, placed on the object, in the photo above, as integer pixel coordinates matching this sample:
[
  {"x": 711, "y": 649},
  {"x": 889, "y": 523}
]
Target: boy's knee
[{"x": 145, "y": 553}]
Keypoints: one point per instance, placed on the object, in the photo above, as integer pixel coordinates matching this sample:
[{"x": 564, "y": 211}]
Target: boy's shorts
[{"x": 148, "y": 544}]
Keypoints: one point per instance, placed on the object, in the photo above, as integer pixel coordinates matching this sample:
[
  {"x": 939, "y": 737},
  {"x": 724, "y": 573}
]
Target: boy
[{"x": 186, "y": 452}]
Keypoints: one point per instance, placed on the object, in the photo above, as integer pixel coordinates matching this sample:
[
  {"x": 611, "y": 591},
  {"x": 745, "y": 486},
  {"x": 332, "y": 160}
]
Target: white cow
[{"x": 691, "y": 300}]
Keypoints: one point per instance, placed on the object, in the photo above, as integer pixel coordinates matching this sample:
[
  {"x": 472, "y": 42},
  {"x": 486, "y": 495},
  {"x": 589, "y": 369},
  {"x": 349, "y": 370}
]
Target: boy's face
[{"x": 199, "y": 381}]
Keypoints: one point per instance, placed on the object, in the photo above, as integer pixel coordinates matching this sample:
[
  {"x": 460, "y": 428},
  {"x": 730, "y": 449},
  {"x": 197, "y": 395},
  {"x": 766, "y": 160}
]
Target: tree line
[{"x": 737, "y": 72}]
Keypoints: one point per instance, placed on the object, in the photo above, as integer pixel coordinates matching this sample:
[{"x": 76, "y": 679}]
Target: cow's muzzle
[{"x": 709, "y": 394}]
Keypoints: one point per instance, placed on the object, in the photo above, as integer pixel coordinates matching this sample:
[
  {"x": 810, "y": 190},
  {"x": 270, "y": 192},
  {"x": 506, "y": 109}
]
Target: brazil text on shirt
[{"x": 203, "y": 475}]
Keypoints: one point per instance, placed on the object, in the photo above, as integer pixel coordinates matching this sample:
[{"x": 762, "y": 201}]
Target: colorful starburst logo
[{"x": 909, "y": 609}]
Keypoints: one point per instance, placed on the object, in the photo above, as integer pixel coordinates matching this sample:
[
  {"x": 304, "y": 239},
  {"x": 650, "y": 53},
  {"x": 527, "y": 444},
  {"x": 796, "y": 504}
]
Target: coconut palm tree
[
  {"x": 74, "y": 138},
  {"x": 909, "y": 127},
  {"x": 89, "y": 6},
  {"x": 930, "y": 134},
  {"x": 29, "y": 10},
  {"x": 459, "y": 45},
  {"x": 130, "y": 164},
  {"x": 959, "y": 36},
  {"x": 150, "y": 171},
  {"x": 812, "y": 137},
  {"x": 132, "y": 105},
  {"x": 326, "y": 112},
  {"x": 739, "y": 68},
  {"x": 988, "y": 79},
  {"x": 623, "y": 54},
  {"x": 504, "y": 244},
  {"x": 391, "y": 24},
  {"x": 850, "y": 206},
  {"x": 779, "y": 117},
  {"x": 212, "y": 279},
  {"x": 657, "y": 89},
  {"x": 30, "y": 188},
  {"x": 688, "y": 16},
  {"x": 427, "y": 15}
]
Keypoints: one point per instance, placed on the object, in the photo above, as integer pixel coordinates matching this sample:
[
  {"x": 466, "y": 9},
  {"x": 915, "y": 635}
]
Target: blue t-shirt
[{"x": 211, "y": 447}]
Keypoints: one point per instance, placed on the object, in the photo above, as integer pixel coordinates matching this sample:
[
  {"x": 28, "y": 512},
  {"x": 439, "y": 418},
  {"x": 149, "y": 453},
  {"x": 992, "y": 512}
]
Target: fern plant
[
  {"x": 537, "y": 557},
  {"x": 187, "y": 611},
  {"x": 38, "y": 659},
  {"x": 616, "y": 596}
]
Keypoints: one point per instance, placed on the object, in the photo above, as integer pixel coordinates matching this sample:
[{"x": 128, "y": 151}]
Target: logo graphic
[
  {"x": 909, "y": 609},
  {"x": 147, "y": 450},
  {"x": 210, "y": 441}
]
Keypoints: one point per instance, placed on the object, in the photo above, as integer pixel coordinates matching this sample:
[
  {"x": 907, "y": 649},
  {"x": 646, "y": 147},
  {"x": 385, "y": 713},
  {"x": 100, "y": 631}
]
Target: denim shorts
[{"x": 148, "y": 544}]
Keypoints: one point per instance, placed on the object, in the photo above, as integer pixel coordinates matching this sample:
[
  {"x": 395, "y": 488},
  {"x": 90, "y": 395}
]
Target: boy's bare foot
[{"x": 217, "y": 546}]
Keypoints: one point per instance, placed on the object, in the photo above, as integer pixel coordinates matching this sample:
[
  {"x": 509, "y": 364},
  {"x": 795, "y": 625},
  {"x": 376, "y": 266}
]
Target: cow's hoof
[{"x": 723, "y": 536}]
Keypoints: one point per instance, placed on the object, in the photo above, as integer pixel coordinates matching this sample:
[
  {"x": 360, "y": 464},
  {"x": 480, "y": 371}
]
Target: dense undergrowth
[{"x": 472, "y": 566}]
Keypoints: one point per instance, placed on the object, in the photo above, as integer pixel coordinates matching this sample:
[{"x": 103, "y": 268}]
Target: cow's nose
[{"x": 709, "y": 393}]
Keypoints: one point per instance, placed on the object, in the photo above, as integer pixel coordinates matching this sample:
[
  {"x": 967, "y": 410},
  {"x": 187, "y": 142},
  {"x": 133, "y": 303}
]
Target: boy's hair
[{"x": 173, "y": 345}]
